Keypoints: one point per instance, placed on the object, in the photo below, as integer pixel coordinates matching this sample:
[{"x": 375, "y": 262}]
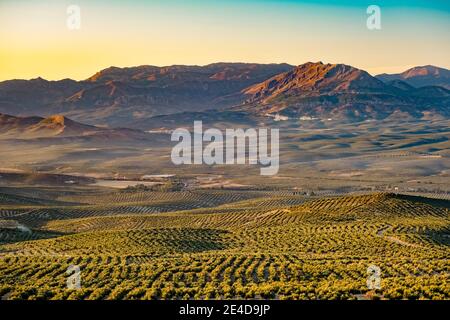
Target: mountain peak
[
  {"x": 337, "y": 91},
  {"x": 314, "y": 79},
  {"x": 39, "y": 79},
  {"x": 56, "y": 119},
  {"x": 58, "y": 124},
  {"x": 121, "y": 96},
  {"x": 184, "y": 73},
  {"x": 427, "y": 70},
  {"x": 37, "y": 127},
  {"x": 421, "y": 76}
]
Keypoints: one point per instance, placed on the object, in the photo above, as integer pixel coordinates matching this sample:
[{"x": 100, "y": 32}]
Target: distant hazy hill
[
  {"x": 131, "y": 97},
  {"x": 12, "y": 127},
  {"x": 421, "y": 76}
]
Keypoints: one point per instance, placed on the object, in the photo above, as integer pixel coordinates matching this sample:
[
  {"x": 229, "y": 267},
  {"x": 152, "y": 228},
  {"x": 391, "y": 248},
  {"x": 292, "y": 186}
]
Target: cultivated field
[{"x": 214, "y": 244}]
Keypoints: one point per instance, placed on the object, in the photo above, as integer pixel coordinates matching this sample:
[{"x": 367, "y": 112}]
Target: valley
[{"x": 87, "y": 181}]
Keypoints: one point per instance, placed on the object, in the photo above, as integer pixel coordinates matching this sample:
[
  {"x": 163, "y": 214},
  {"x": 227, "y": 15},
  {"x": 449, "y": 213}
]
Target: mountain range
[
  {"x": 138, "y": 97},
  {"x": 317, "y": 90}
]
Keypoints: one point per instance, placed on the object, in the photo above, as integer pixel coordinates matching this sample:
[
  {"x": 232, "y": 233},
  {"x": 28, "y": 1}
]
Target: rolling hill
[
  {"x": 317, "y": 248},
  {"x": 58, "y": 126}
]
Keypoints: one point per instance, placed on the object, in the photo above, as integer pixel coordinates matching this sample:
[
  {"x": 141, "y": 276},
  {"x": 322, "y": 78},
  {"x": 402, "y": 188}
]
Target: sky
[{"x": 36, "y": 42}]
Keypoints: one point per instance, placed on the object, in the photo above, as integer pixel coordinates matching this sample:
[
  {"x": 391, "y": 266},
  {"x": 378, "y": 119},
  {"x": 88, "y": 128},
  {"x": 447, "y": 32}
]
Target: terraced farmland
[{"x": 225, "y": 244}]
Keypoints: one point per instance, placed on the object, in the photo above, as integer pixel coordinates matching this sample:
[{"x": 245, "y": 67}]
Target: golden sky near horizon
[{"x": 35, "y": 40}]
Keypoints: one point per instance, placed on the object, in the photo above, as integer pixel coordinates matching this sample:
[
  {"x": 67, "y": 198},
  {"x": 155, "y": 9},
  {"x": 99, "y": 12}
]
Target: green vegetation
[
  {"x": 168, "y": 186},
  {"x": 226, "y": 244}
]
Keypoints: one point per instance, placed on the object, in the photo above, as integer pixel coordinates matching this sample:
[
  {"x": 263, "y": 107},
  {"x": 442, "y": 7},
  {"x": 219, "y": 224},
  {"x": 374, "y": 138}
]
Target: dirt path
[{"x": 381, "y": 232}]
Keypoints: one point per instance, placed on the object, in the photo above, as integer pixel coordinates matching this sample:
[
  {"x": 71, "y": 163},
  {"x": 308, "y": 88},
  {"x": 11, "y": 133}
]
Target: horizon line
[{"x": 402, "y": 69}]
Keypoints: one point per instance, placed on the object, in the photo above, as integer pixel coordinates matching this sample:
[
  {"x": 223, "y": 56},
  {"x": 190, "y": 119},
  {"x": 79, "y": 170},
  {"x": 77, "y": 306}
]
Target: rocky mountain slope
[
  {"x": 119, "y": 96},
  {"x": 317, "y": 90},
  {"x": 126, "y": 97}
]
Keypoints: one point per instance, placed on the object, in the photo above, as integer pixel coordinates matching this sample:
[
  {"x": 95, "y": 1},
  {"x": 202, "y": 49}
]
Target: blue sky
[{"x": 36, "y": 41}]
